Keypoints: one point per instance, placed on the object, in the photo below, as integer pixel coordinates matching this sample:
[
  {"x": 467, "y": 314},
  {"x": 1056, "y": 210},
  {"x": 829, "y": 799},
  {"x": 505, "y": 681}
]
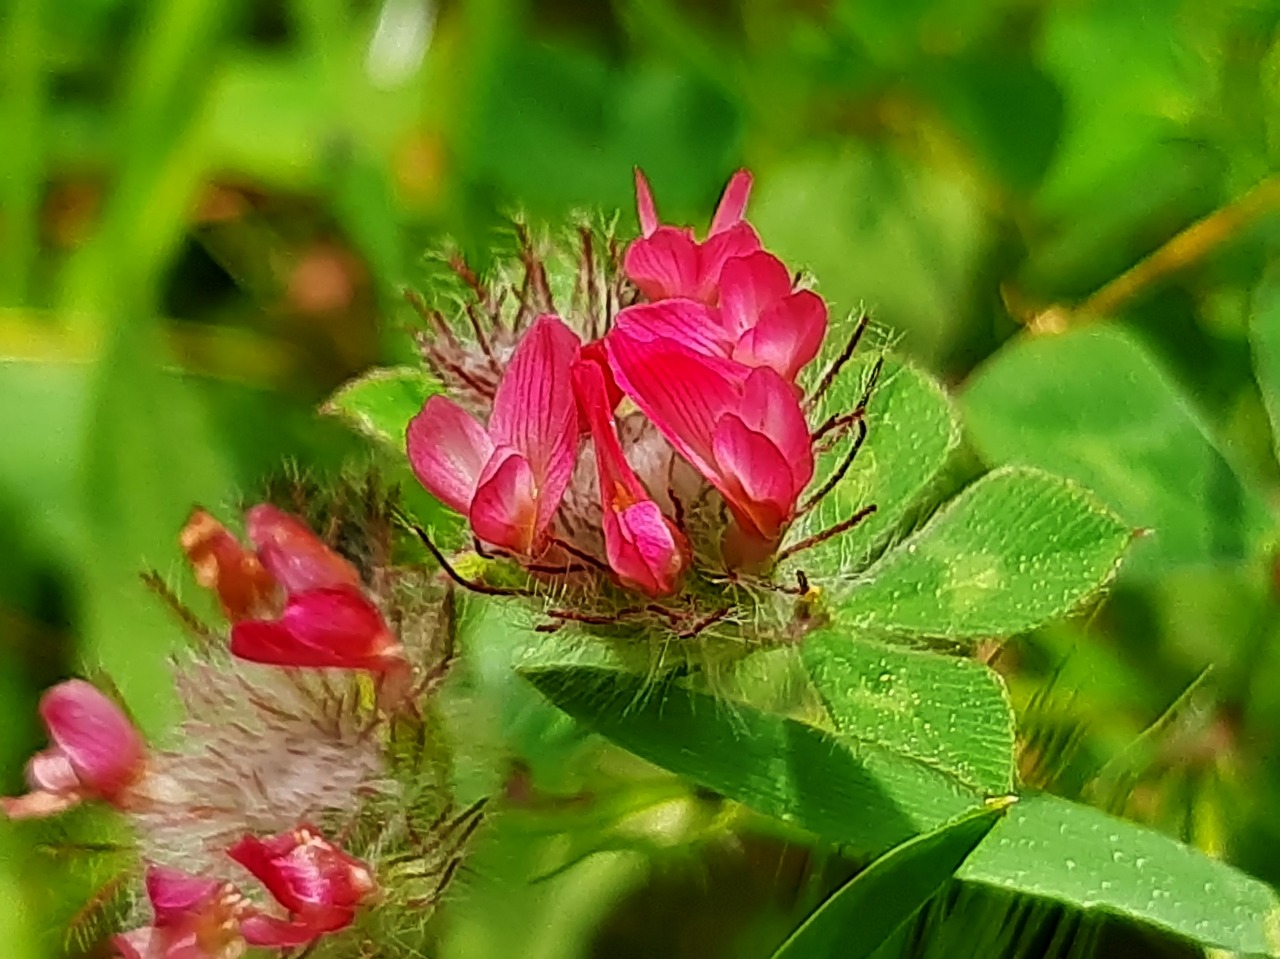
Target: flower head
[
  {"x": 507, "y": 477},
  {"x": 666, "y": 261},
  {"x": 95, "y": 754},
  {"x": 292, "y": 600}
]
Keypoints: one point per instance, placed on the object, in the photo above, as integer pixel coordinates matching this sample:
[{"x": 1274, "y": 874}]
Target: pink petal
[
  {"x": 770, "y": 406},
  {"x": 96, "y": 737},
  {"x": 505, "y": 510},
  {"x": 644, "y": 205},
  {"x": 336, "y": 628},
  {"x": 664, "y": 264},
  {"x": 646, "y": 550},
  {"x": 244, "y": 588},
  {"x": 733, "y": 203},
  {"x": 787, "y": 336},
  {"x": 738, "y": 240},
  {"x": 687, "y": 322},
  {"x": 682, "y": 392},
  {"x": 535, "y": 414},
  {"x": 447, "y": 450},
  {"x": 50, "y": 769},
  {"x": 176, "y": 895},
  {"x": 594, "y": 352},
  {"x": 641, "y": 545},
  {"x": 304, "y": 872},
  {"x": 293, "y": 554},
  {"x": 759, "y": 488},
  {"x": 749, "y": 285}
]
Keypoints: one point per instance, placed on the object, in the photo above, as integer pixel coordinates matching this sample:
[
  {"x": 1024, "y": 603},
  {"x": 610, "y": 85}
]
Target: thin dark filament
[
  {"x": 837, "y": 421},
  {"x": 534, "y": 270},
  {"x": 478, "y": 289},
  {"x": 705, "y": 623},
  {"x": 580, "y": 554},
  {"x": 190, "y": 621},
  {"x": 811, "y": 541},
  {"x": 860, "y": 417},
  {"x": 594, "y": 619},
  {"x": 484, "y": 589},
  {"x": 829, "y": 377},
  {"x": 433, "y": 318},
  {"x": 478, "y": 328},
  {"x": 589, "y": 281}
]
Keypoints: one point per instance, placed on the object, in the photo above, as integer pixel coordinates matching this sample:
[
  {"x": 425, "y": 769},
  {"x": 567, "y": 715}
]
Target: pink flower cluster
[
  {"x": 292, "y": 602},
  {"x": 710, "y": 355}
]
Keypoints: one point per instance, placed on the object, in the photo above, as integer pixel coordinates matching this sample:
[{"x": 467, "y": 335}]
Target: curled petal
[
  {"x": 770, "y": 407},
  {"x": 261, "y": 929},
  {"x": 733, "y": 203},
  {"x": 335, "y": 627},
  {"x": 305, "y": 873},
  {"x": 749, "y": 285},
  {"x": 447, "y": 450},
  {"x": 787, "y": 336},
  {"x": 297, "y": 558},
  {"x": 236, "y": 575},
  {"x": 504, "y": 511},
  {"x": 175, "y": 895},
  {"x": 51, "y": 770},
  {"x": 138, "y": 944},
  {"x": 664, "y": 264},
  {"x": 96, "y": 737},
  {"x": 735, "y": 241},
  {"x": 757, "y": 478},
  {"x": 642, "y": 546}
]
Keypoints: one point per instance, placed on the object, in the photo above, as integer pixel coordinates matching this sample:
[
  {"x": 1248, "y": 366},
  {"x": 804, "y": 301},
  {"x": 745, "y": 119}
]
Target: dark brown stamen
[
  {"x": 834, "y": 369},
  {"x": 580, "y": 554},
  {"x": 705, "y": 623},
  {"x": 811, "y": 541}
]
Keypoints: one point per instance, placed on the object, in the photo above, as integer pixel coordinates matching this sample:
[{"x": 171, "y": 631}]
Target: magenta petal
[
  {"x": 787, "y": 336},
  {"x": 504, "y": 511},
  {"x": 682, "y": 392},
  {"x": 749, "y": 285},
  {"x": 647, "y": 552},
  {"x": 664, "y": 264},
  {"x": 50, "y": 769},
  {"x": 176, "y": 895},
  {"x": 272, "y": 932},
  {"x": 737, "y": 241},
  {"x": 733, "y": 203},
  {"x": 138, "y": 944},
  {"x": 94, "y": 735},
  {"x": 337, "y": 628},
  {"x": 770, "y": 406},
  {"x": 760, "y": 489},
  {"x": 447, "y": 450},
  {"x": 295, "y": 556},
  {"x": 684, "y": 321}
]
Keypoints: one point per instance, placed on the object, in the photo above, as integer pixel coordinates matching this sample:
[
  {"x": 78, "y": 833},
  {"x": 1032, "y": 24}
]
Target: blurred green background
[{"x": 209, "y": 208}]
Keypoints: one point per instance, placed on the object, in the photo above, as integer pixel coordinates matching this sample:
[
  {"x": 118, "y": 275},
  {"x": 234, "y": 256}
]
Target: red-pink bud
[
  {"x": 297, "y": 558},
  {"x": 194, "y": 919},
  {"x": 316, "y": 881},
  {"x": 96, "y": 753}
]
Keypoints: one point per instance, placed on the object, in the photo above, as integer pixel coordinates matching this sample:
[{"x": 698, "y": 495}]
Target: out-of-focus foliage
[{"x": 208, "y": 210}]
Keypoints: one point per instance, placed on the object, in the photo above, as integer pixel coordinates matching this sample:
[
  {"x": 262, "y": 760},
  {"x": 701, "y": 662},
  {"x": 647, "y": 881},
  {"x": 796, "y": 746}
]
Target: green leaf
[
  {"x": 856, "y": 792},
  {"x": 912, "y": 429},
  {"x": 1264, "y": 333},
  {"x": 947, "y": 712},
  {"x": 1014, "y": 550},
  {"x": 1092, "y": 405},
  {"x": 860, "y": 916},
  {"x": 1060, "y": 850},
  {"x": 380, "y": 403}
]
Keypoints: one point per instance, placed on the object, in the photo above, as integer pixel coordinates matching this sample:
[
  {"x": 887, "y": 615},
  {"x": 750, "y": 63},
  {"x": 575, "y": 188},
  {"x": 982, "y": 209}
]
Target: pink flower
[
  {"x": 507, "y": 478},
  {"x": 193, "y": 919},
  {"x": 642, "y": 546},
  {"x": 318, "y": 883},
  {"x": 760, "y": 321},
  {"x": 666, "y": 261},
  {"x": 742, "y": 428},
  {"x": 96, "y": 753},
  {"x": 293, "y": 601}
]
